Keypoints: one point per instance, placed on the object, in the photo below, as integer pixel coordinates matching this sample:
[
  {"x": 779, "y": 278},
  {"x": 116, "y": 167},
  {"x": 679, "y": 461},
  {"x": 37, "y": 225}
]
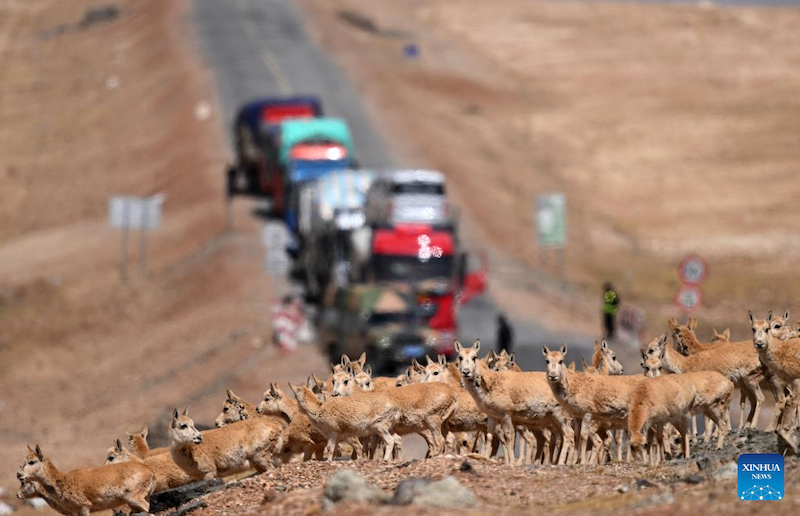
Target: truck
[
  {"x": 429, "y": 261},
  {"x": 255, "y": 138},
  {"x": 308, "y": 150},
  {"x": 409, "y": 197},
  {"x": 331, "y": 211},
  {"x": 381, "y": 320}
]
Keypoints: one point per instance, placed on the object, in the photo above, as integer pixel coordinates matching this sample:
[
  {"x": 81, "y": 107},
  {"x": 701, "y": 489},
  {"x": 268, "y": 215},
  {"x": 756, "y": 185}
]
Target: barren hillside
[{"x": 90, "y": 109}]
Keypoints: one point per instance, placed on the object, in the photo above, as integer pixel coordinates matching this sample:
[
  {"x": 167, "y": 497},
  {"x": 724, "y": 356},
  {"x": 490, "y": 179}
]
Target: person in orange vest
[{"x": 610, "y": 308}]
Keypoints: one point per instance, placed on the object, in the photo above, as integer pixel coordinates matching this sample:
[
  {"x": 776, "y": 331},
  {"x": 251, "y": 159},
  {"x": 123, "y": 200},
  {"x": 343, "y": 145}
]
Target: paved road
[{"x": 260, "y": 47}]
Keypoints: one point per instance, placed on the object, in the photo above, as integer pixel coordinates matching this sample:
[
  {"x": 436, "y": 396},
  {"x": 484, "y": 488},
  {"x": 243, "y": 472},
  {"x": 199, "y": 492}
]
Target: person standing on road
[
  {"x": 610, "y": 307},
  {"x": 505, "y": 335}
]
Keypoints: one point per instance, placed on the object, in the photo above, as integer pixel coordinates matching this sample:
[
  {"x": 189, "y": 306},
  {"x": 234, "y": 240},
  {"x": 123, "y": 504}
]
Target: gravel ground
[{"x": 682, "y": 485}]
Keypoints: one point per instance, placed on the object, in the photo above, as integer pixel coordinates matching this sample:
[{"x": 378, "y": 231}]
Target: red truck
[{"x": 429, "y": 261}]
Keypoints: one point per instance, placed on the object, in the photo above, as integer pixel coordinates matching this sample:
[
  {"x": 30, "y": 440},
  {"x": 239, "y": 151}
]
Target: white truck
[
  {"x": 409, "y": 197},
  {"x": 331, "y": 214}
]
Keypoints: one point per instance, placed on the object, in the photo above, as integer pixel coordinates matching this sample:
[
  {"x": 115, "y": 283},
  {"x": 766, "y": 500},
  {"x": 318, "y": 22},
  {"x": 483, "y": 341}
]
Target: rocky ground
[{"x": 705, "y": 482}]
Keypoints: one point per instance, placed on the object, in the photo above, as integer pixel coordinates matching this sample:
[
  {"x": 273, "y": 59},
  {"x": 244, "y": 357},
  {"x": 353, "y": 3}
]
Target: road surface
[{"x": 260, "y": 48}]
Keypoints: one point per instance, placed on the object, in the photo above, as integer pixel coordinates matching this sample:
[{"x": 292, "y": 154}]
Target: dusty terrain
[
  {"x": 680, "y": 486},
  {"x": 660, "y": 149},
  {"x": 671, "y": 128},
  {"x": 93, "y": 110}
]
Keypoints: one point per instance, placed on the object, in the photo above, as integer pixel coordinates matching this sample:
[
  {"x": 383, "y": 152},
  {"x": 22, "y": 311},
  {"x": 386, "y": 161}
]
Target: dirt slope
[
  {"x": 671, "y": 128},
  {"x": 677, "y": 488},
  {"x": 90, "y": 110}
]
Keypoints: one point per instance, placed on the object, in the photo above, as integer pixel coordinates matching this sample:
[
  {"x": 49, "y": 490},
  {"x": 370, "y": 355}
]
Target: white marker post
[
  {"x": 550, "y": 214},
  {"x": 141, "y": 213}
]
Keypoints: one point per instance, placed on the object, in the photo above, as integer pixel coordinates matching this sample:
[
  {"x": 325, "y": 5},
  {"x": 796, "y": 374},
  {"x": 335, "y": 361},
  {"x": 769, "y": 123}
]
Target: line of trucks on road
[{"x": 378, "y": 250}]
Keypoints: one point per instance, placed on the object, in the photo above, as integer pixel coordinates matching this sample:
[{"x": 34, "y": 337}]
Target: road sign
[
  {"x": 135, "y": 212},
  {"x": 689, "y": 297},
  {"x": 551, "y": 220},
  {"x": 142, "y": 213},
  {"x": 693, "y": 269}
]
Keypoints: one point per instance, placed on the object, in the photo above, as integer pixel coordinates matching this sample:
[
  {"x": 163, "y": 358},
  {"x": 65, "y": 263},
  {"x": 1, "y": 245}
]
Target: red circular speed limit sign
[
  {"x": 689, "y": 297},
  {"x": 693, "y": 269}
]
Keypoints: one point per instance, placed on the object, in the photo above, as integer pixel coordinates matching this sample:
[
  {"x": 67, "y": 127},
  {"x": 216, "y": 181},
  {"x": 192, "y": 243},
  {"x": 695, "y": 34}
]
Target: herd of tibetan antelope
[{"x": 469, "y": 406}]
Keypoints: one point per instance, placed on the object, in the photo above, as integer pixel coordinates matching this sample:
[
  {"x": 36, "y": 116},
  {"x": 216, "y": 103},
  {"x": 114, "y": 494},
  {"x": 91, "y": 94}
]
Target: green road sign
[{"x": 551, "y": 220}]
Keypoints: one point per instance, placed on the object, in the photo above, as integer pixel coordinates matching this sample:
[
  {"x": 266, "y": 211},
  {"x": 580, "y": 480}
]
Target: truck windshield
[
  {"x": 418, "y": 188},
  {"x": 381, "y": 318},
  {"x": 411, "y": 268}
]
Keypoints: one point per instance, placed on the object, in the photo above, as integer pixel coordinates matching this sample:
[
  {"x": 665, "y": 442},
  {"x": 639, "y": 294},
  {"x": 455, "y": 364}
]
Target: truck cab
[
  {"x": 410, "y": 197},
  {"x": 309, "y": 150},
  {"x": 330, "y": 211},
  {"x": 381, "y": 320},
  {"x": 426, "y": 259},
  {"x": 254, "y": 139}
]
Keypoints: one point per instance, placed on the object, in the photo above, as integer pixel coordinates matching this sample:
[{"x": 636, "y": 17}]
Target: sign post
[
  {"x": 142, "y": 213},
  {"x": 550, "y": 213}
]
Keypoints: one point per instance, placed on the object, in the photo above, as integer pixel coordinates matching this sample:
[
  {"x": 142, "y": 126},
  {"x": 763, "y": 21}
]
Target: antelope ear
[
  {"x": 662, "y": 340},
  {"x": 29, "y": 448},
  {"x": 293, "y": 388},
  {"x": 727, "y": 333},
  {"x": 408, "y": 374},
  {"x": 672, "y": 323},
  {"x": 663, "y": 352},
  {"x": 786, "y": 314},
  {"x": 545, "y": 351},
  {"x": 769, "y": 316},
  {"x": 349, "y": 369},
  {"x": 584, "y": 364},
  {"x": 186, "y": 411},
  {"x": 477, "y": 345},
  {"x": 428, "y": 359},
  {"x": 333, "y": 367},
  {"x": 309, "y": 383},
  {"x": 563, "y": 348},
  {"x": 362, "y": 359},
  {"x": 39, "y": 453},
  {"x": 175, "y": 414},
  {"x": 442, "y": 360},
  {"x": 458, "y": 346},
  {"x": 345, "y": 360},
  {"x": 604, "y": 345},
  {"x": 128, "y": 435},
  {"x": 512, "y": 357},
  {"x": 231, "y": 395},
  {"x": 368, "y": 369},
  {"x": 752, "y": 319},
  {"x": 571, "y": 366},
  {"x": 144, "y": 432},
  {"x": 118, "y": 445},
  {"x": 317, "y": 381}
]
